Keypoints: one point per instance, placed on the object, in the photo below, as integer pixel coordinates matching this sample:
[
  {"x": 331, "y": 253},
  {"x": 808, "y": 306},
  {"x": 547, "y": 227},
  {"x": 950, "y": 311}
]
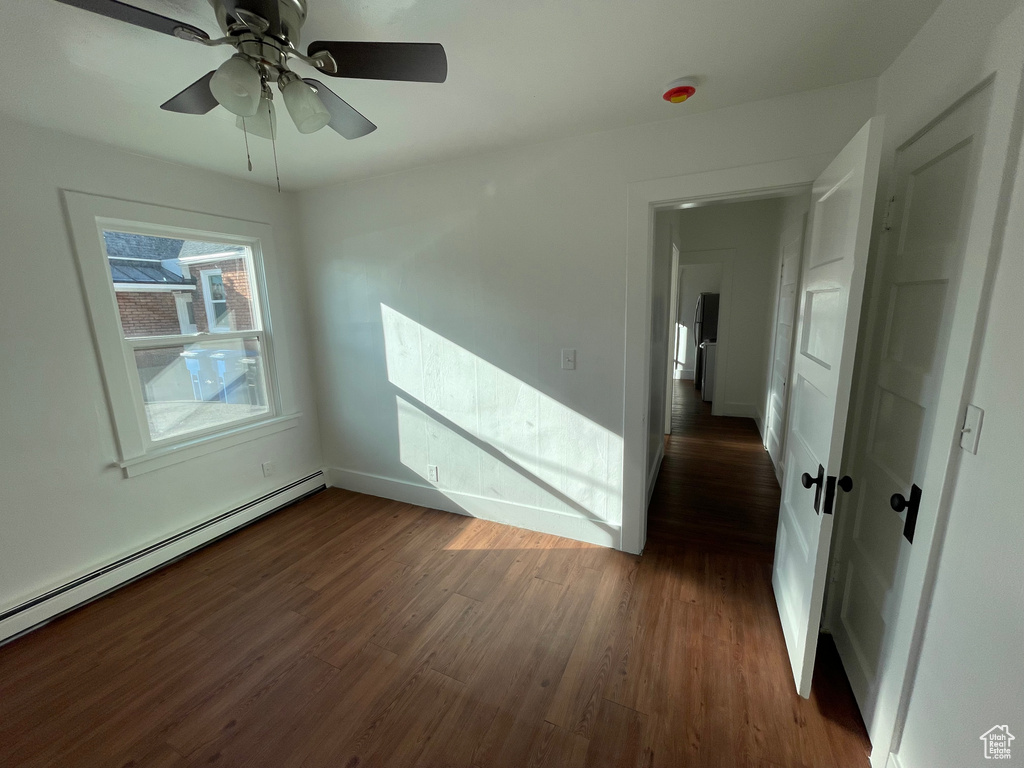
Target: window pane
[
  {"x": 148, "y": 272},
  {"x": 220, "y": 313},
  {"x": 194, "y": 387}
]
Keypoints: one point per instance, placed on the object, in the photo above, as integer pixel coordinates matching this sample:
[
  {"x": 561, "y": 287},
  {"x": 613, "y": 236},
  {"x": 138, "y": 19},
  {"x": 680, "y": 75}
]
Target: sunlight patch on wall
[
  {"x": 498, "y": 443},
  {"x": 486, "y": 485}
]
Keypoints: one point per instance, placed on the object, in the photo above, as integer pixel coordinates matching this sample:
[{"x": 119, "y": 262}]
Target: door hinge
[{"x": 887, "y": 218}]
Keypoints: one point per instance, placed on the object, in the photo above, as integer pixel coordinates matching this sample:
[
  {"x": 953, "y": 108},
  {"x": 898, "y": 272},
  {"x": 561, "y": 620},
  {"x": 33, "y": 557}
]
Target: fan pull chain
[
  {"x": 273, "y": 142},
  {"x": 246, "y": 134}
]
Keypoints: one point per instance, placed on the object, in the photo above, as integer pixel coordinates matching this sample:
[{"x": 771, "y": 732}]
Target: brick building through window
[{"x": 167, "y": 287}]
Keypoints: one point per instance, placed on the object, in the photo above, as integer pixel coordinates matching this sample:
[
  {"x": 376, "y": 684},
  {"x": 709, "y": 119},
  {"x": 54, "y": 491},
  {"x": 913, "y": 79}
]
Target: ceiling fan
[{"x": 265, "y": 36}]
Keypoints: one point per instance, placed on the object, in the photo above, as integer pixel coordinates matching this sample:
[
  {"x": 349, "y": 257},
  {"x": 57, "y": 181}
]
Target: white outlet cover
[
  {"x": 432, "y": 473},
  {"x": 568, "y": 359},
  {"x": 268, "y": 468}
]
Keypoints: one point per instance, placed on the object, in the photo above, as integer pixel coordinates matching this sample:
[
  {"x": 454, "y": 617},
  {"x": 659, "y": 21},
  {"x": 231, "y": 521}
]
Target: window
[
  {"x": 216, "y": 300},
  {"x": 178, "y": 306}
]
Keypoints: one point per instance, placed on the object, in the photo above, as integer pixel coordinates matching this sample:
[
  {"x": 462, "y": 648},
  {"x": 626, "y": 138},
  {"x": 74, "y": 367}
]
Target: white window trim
[
  {"x": 88, "y": 216},
  {"x": 151, "y": 287}
]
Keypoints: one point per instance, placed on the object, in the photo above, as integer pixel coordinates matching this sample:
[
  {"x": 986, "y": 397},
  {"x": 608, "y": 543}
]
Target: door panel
[
  {"x": 922, "y": 256},
  {"x": 823, "y": 322},
  {"x": 831, "y": 286}
]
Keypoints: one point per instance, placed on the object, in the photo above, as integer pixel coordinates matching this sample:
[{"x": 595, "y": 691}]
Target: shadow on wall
[{"x": 503, "y": 450}]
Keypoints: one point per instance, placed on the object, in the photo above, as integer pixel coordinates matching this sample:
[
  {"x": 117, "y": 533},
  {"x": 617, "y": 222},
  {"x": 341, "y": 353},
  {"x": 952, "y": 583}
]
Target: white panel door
[
  {"x": 782, "y": 346},
  {"x": 923, "y": 251},
  {"x": 831, "y": 287}
]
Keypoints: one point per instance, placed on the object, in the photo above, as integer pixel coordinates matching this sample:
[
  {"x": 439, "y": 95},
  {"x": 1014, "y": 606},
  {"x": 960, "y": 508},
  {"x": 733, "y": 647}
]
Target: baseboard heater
[{"x": 154, "y": 548}]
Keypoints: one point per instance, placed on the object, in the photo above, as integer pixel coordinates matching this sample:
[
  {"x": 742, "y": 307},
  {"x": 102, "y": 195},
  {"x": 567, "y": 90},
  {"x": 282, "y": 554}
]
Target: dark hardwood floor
[
  {"x": 353, "y": 631},
  {"x": 717, "y": 486}
]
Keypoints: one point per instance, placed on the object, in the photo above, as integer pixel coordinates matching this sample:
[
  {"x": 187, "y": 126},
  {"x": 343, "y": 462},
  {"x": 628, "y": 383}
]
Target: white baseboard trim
[
  {"x": 652, "y": 476},
  {"x": 48, "y": 605},
  {"x": 496, "y": 510}
]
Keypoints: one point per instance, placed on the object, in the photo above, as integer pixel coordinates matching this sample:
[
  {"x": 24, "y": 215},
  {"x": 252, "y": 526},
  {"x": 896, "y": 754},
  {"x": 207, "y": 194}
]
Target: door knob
[
  {"x": 807, "y": 481},
  {"x": 846, "y": 483},
  {"x": 899, "y": 503}
]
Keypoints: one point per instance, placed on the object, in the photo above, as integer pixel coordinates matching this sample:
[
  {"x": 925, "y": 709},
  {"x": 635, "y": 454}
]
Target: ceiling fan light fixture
[
  {"x": 237, "y": 86},
  {"x": 263, "y": 123},
  {"x": 307, "y": 111}
]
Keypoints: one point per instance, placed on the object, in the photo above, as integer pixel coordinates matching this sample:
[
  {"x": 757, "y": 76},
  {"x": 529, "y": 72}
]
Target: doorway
[
  {"x": 716, "y": 484},
  {"x": 696, "y": 279}
]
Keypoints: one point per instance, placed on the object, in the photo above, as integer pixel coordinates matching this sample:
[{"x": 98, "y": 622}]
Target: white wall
[
  {"x": 743, "y": 239},
  {"x": 971, "y": 670},
  {"x": 65, "y": 510},
  {"x": 694, "y": 279},
  {"x": 510, "y": 257}
]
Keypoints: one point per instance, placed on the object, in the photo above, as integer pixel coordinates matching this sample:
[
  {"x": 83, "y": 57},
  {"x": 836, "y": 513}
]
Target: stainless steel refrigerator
[{"x": 705, "y": 328}]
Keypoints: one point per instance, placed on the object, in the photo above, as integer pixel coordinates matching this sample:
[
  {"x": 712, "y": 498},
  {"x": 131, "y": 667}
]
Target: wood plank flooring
[
  {"x": 354, "y": 631},
  {"x": 717, "y": 486}
]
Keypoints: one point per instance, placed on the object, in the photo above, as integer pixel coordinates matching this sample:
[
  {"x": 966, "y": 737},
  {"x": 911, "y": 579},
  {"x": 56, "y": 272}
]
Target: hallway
[
  {"x": 717, "y": 486},
  {"x": 711, "y": 530}
]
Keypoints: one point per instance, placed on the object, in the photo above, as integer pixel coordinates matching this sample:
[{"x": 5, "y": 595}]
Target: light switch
[
  {"x": 568, "y": 359},
  {"x": 971, "y": 430}
]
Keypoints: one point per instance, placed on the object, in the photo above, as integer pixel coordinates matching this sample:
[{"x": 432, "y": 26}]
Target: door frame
[
  {"x": 673, "y": 320},
  {"x": 773, "y": 348},
  {"x": 644, "y": 200}
]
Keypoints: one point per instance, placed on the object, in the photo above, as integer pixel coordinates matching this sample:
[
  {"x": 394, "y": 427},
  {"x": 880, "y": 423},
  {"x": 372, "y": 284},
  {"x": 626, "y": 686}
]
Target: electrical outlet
[
  {"x": 268, "y": 468},
  {"x": 568, "y": 359},
  {"x": 432, "y": 473}
]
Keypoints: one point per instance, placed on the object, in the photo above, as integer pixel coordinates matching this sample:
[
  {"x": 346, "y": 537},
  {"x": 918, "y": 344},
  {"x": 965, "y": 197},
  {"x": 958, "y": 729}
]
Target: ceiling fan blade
[
  {"x": 344, "y": 118},
  {"x": 197, "y": 99},
  {"x": 417, "y": 62},
  {"x": 132, "y": 15}
]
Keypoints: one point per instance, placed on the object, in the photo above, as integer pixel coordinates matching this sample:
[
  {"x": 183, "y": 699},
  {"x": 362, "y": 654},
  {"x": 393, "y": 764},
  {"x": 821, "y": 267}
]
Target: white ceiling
[{"x": 519, "y": 72}]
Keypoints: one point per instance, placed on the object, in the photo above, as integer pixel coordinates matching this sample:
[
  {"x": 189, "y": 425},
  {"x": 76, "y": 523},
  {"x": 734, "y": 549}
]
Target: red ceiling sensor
[{"x": 680, "y": 90}]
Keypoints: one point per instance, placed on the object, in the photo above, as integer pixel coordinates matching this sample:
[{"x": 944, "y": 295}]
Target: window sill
[{"x": 165, "y": 457}]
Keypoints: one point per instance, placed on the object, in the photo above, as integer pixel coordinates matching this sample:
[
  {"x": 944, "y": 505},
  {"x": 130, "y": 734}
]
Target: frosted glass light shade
[
  {"x": 236, "y": 85},
  {"x": 308, "y": 112},
  {"x": 263, "y": 123}
]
